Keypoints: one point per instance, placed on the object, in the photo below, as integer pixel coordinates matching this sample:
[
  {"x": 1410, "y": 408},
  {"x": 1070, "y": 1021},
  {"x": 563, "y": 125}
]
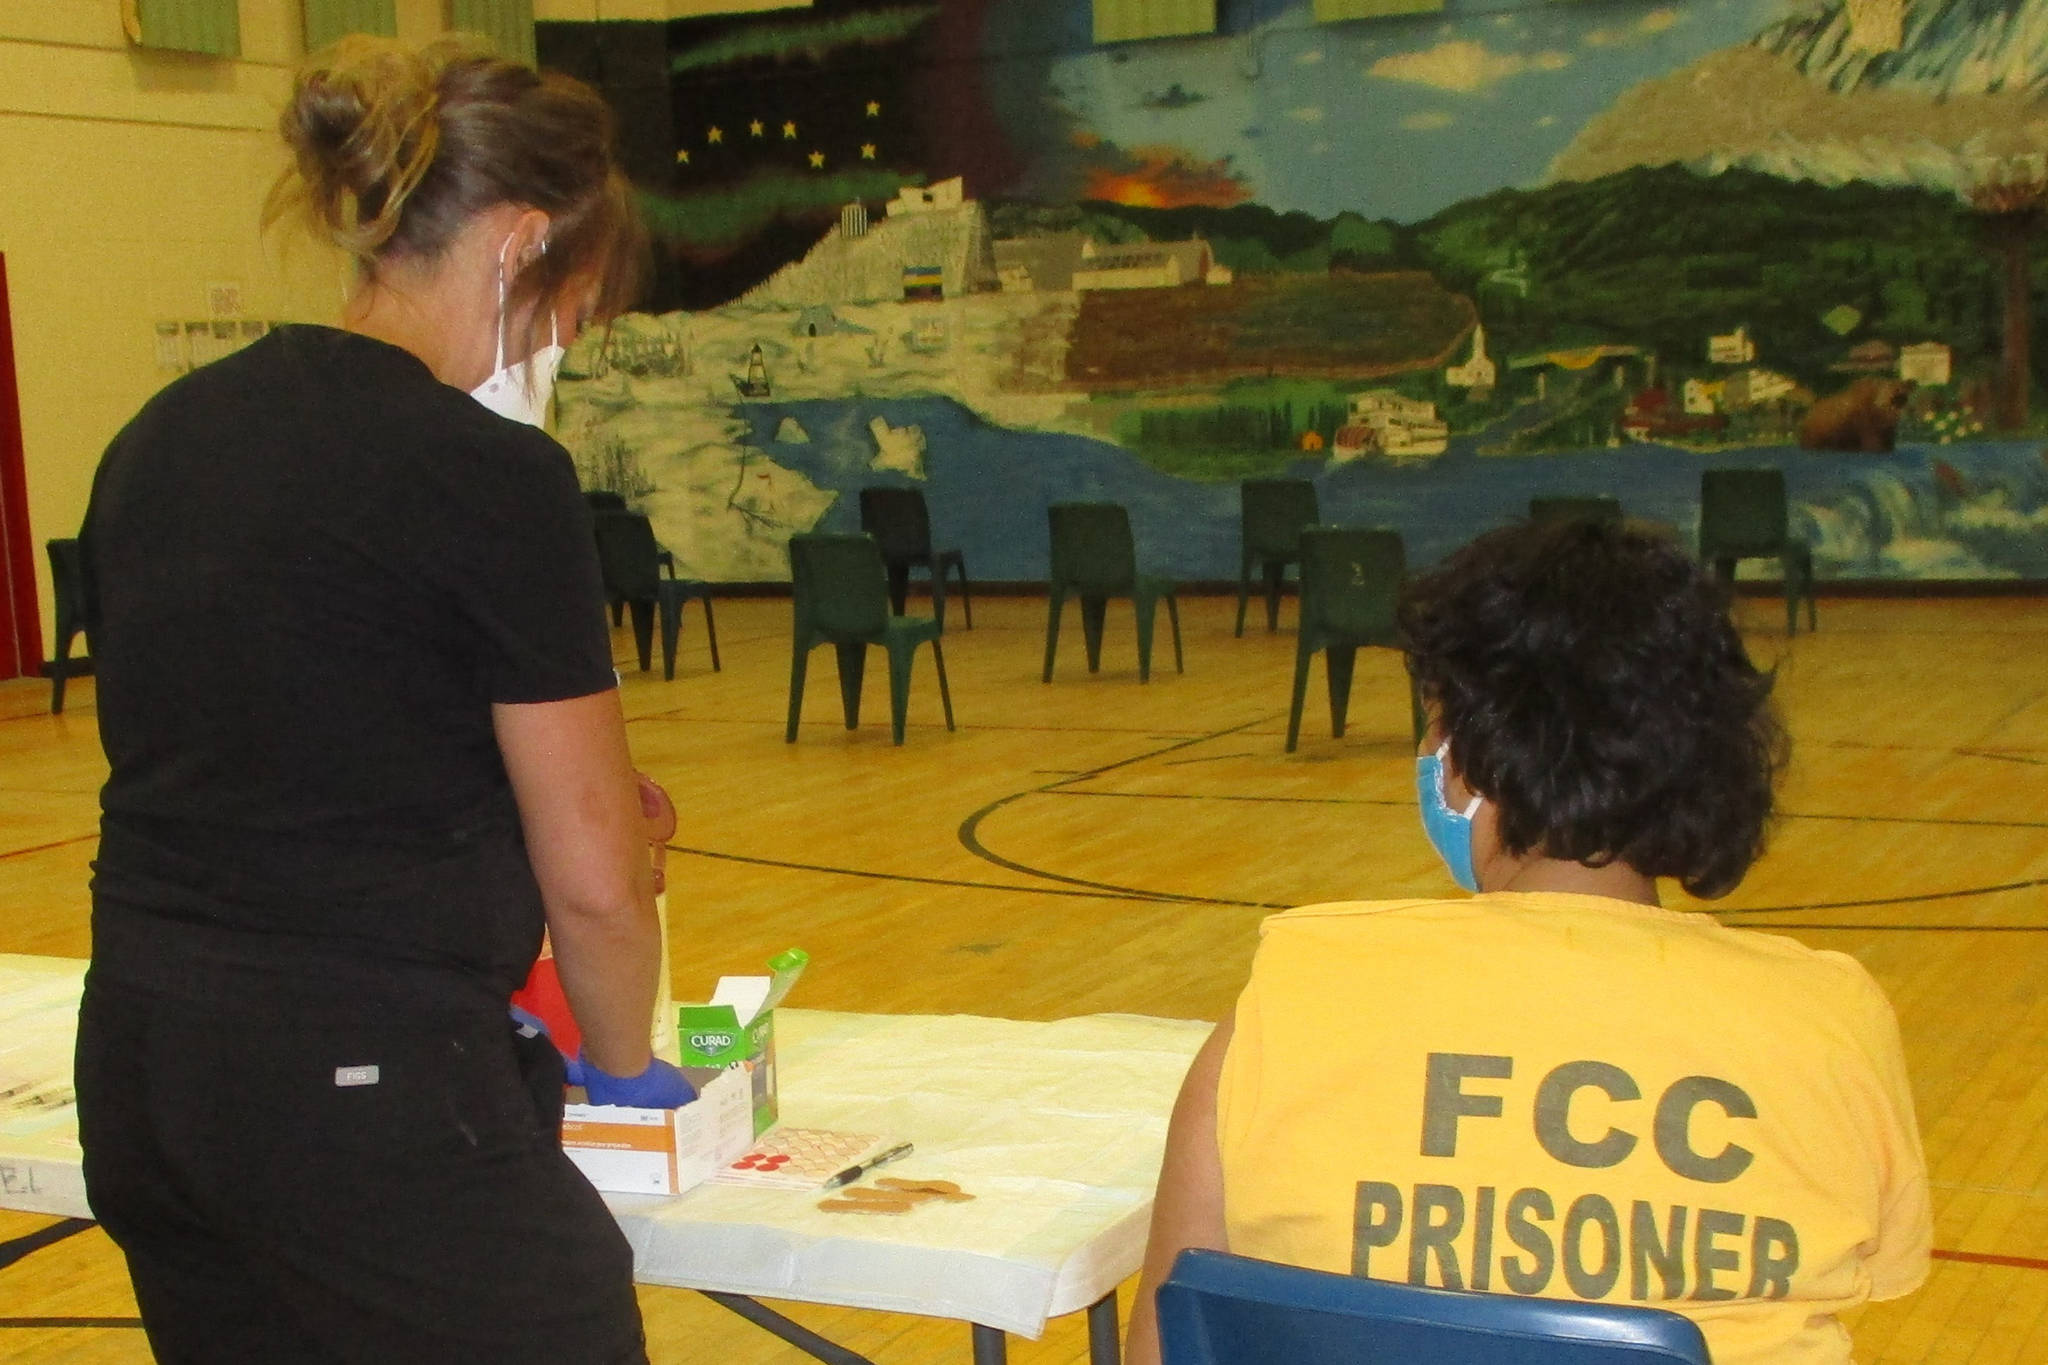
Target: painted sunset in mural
[{"x": 1437, "y": 264}]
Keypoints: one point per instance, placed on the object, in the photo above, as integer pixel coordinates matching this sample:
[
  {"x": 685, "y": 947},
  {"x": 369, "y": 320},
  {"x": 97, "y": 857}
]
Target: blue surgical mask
[{"x": 1449, "y": 831}]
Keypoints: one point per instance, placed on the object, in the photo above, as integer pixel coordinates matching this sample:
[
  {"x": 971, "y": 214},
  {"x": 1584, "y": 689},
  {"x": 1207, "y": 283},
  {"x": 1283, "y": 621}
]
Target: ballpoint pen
[{"x": 855, "y": 1172}]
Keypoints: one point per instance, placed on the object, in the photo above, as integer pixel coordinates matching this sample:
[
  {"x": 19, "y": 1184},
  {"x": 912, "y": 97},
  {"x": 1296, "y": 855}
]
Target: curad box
[{"x": 717, "y": 1040}]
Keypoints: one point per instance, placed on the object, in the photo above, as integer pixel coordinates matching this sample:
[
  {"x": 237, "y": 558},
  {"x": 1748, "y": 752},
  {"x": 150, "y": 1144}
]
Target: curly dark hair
[{"x": 1594, "y": 690}]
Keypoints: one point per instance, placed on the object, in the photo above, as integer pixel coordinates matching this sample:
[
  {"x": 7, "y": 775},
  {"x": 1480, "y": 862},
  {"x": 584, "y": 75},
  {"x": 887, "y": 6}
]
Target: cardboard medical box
[{"x": 662, "y": 1151}]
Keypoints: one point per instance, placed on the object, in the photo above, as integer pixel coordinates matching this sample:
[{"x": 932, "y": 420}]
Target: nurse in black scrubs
[{"x": 357, "y": 700}]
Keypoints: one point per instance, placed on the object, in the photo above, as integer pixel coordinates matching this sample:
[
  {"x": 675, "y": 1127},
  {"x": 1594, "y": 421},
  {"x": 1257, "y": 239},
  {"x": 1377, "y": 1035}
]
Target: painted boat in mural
[
  {"x": 1414, "y": 440},
  {"x": 755, "y": 383},
  {"x": 1398, "y": 441},
  {"x": 1352, "y": 443},
  {"x": 1389, "y": 424}
]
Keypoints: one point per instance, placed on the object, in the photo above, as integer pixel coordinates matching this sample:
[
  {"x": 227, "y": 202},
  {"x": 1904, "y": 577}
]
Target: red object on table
[{"x": 542, "y": 997}]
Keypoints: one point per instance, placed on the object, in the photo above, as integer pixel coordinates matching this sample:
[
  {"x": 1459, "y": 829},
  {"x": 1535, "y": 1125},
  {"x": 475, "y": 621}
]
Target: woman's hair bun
[
  {"x": 396, "y": 151},
  {"x": 363, "y": 125}
]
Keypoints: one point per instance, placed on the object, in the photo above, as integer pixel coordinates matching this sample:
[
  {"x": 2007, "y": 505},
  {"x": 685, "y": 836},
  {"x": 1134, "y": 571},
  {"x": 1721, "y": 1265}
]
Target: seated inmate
[{"x": 1554, "y": 1086}]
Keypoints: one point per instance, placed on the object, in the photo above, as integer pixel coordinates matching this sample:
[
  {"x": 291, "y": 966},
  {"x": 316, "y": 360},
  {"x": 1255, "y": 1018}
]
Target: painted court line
[
  {"x": 44, "y": 848},
  {"x": 1986, "y": 1258},
  {"x": 873, "y": 875}
]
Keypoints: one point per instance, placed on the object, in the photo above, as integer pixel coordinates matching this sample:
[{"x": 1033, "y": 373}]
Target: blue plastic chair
[{"x": 1219, "y": 1309}]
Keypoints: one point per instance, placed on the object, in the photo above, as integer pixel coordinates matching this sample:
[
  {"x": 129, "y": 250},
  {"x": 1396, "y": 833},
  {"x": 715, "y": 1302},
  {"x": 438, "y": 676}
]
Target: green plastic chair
[
  {"x": 1094, "y": 559},
  {"x": 841, "y": 594},
  {"x": 602, "y": 500},
  {"x": 67, "y": 586},
  {"x": 1599, "y": 508},
  {"x": 632, "y": 567},
  {"x": 902, "y": 526},
  {"x": 1350, "y": 581},
  {"x": 1744, "y": 515},
  {"x": 1273, "y": 513}
]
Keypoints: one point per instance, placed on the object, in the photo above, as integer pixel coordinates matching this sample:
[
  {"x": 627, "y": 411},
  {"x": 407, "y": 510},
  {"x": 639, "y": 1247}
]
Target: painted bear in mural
[{"x": 1864, "y": 416}]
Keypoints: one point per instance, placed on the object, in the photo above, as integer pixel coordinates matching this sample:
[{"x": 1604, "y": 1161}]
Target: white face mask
[{"x": 520, "y": 391}]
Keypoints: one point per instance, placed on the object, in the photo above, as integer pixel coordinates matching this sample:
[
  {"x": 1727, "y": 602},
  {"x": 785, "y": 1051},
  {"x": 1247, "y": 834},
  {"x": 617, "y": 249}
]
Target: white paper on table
[{"x": 746, "y": 995}]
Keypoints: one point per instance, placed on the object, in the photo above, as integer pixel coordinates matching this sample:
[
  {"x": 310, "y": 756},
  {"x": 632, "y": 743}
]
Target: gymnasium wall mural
[{"x": 1436, "y": 264}]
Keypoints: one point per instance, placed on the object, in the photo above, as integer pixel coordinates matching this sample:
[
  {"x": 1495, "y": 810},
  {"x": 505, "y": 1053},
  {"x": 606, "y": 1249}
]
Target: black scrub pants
[{"x": 276, "y": 1203}]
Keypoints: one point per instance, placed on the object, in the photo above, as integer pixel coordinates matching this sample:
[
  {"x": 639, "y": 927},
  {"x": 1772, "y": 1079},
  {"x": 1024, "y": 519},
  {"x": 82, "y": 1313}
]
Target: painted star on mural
[
  {"x": 815, "y": 107},
  {"x": 714, "y": 134}
]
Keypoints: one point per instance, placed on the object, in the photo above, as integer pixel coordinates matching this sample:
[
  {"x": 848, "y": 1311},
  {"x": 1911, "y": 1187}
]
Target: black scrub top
[{"x": 311, "y": 569}]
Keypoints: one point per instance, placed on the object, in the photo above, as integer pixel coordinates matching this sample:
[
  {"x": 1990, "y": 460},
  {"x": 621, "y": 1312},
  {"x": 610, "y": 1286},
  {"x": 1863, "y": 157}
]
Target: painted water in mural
[{"x": 1437, "y": 265}]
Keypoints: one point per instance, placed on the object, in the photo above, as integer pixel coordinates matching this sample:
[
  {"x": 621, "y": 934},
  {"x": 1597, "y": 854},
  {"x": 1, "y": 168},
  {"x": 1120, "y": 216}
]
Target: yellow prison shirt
[{"x": 1577, "y": 1097}]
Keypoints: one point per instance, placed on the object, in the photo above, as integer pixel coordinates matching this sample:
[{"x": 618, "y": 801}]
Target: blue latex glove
[{"x": 660, "y": 1086}]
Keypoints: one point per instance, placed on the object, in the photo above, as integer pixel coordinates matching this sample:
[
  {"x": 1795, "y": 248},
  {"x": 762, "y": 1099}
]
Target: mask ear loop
[
  {"x": 554, "y": 324},
  {"x": 1443, "y": 752},
  {"x": 554, "y": 321},
  {"x": 499, "y": 366}
]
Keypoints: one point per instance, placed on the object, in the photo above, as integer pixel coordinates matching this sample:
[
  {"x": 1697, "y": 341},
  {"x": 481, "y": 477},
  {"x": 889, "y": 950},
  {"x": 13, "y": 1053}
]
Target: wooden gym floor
[{"x": 1100, "y": 845}]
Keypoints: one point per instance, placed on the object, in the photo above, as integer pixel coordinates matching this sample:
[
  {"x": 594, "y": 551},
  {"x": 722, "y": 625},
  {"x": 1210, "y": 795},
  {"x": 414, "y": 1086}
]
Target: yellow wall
[{"x": 129, "y": 180}]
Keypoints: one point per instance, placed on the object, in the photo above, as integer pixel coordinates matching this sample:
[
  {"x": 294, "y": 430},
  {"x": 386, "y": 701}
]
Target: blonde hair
[{"x": 396, "y": 149}]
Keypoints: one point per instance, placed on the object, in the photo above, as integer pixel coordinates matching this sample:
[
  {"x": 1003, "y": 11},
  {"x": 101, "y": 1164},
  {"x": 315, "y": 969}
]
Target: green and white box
[
  {"x": 736, "y": 1031},
  {"x": 714, "y": 1040}
]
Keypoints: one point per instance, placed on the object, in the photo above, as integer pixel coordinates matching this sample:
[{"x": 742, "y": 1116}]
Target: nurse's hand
[{"x": 660, "y": 1086}]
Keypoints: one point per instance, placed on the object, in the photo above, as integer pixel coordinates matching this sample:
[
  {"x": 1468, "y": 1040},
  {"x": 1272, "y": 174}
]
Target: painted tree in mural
[{"x": 2010, "y": 194}]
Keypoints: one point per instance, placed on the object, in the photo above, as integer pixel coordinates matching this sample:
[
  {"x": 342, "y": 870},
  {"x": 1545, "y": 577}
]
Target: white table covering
[
  {"x": 39, "y": 1156},
  {"x": 1056, "y": 1128}
]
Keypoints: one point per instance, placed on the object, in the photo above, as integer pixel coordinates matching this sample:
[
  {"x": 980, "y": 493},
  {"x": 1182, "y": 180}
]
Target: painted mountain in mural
[
  {"x": 1657, "y": 257},
  {"x": 1438, "y": 268},
  {"x": 1943, "y": 47},
  {"x": 1815, "y": 97}
]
